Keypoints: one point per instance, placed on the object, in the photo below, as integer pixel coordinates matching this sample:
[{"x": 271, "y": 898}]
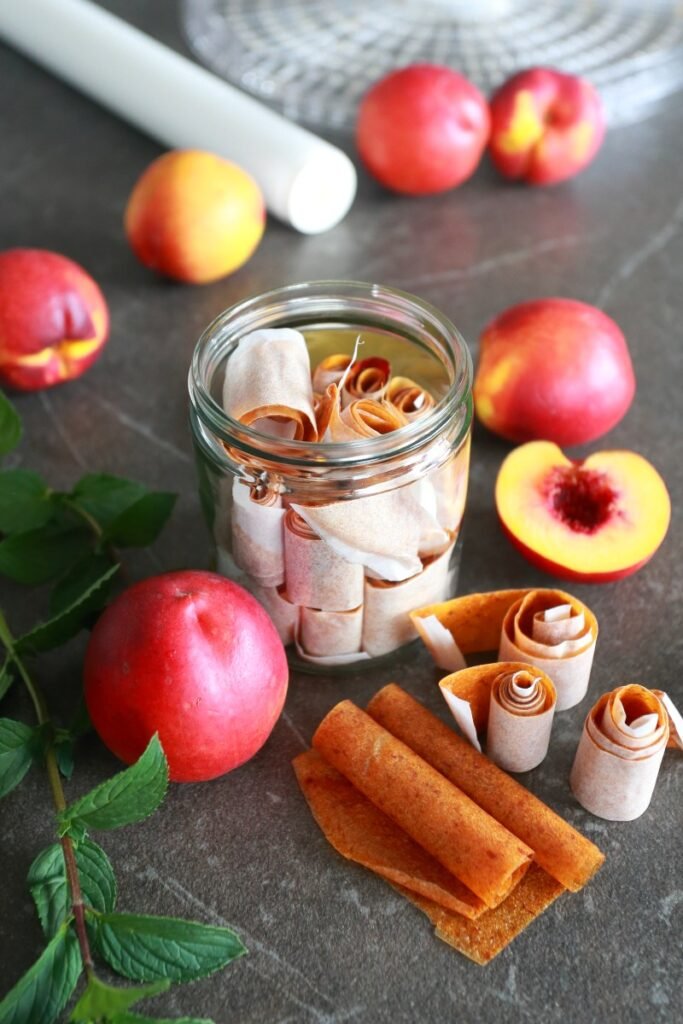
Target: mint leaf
[
  {"x": 10, "y": 426},
  {"x": 105, "y": 497},
  {"x": 137, "y": 1018},
  {"x": 6, "y": 678},
  {"x": 142, "y": 523},
  {"x": 144, "y": 948},
  {"x": 101, "y": 1002},
  {"x": 17, "y": 749},
  {"x": 79, "y": 579},
  {"x": 49, "y": 888},
  {"x": 64, "y": 752},
  {"x": 129, "y": 796},
  {"x": 41, "y": 555},
  {"x": 67, "y": 623},
  {"x": 24, "y": 501},
  {"x": 45, "y": 989}
]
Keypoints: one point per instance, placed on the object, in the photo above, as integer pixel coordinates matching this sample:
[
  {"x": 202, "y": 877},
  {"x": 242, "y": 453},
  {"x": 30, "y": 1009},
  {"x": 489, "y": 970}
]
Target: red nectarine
[
  {"x": 555, "y": 370},
  {"x": 422, "y": 129},
  {"x": 546, "y": 126},
  {"x": 53, "y": 319},
  {"x": 194, "y": 657},
  {"x": 595, "y": 520}
]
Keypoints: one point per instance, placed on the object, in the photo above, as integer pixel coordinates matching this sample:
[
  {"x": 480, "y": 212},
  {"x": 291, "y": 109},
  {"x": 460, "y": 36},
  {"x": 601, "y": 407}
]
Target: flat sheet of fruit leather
[
  {"x": 268, "y": 384},
  {"x": 327, "y": 633},
  {"x": 380, "y": 532},
  {"x": 360, "y": 832},
  {"x": 620, "y": 752},
  {"x": 367, "y": 378},
  {"x": 386, "y": 623},
  {"x": 559, "y": 849},
  {"x": 437, "y": 815},
  {"x": 464, "y": 625},
  {"x": 511, "y": 704},
  {"x": 557, "y": 633},
  {"x": 408, "y": 397},
  {"x": 484, "y": 938},
  {"x": 316, "y": 575},
  {"x": 257, "y": 533}
]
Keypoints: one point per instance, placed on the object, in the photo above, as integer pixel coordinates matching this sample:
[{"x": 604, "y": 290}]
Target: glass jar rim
[{"x": 318, "y": 298}]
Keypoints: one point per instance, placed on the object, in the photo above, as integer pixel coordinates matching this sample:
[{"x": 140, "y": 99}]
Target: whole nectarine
[
  {"x": 53, "y": 319},
  {"x": 594, "y": 520},
  {"x": 422, "y": 129},
  {"x": 553, "y": 369},
  {"x": 194, "y": 217},
  {"x": 194, "y": 657},
  {"x": 546, "y": 126}
]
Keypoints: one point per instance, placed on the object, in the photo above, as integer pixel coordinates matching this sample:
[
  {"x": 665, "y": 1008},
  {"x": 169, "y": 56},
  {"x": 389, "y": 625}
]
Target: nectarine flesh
[{"x": 593, "y": 521}]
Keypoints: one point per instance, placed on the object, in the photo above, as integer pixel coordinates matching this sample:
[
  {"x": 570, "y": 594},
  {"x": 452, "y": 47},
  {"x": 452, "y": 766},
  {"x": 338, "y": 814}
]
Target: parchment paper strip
[
  {"x": 562, "y": 851},
  {"x": 257, "y": 533},
  {"x": 619, "y": 753},
  {"x": 268, "y": 384},
  {"x": 512, "y": 705},
  {"x": 317, "y": 576},
  {"x": 324, "y": 633},
  {"x": 436, "y": 814},
  {"x": 284, "y": 614},
  {"x": 386, "y": 622}
]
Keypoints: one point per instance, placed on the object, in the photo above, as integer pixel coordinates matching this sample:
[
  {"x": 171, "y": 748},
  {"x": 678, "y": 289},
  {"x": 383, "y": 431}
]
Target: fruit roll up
[
  {"x": 621, "y": 748},
  {"x": 515, "y": 707},
  {"x": 367, "y": 378},
  {"x": 284, "y": 614},
  {"x": 469, "y": 843},
  {"x": 557, "y": 633},
  {"x": 325, "y": 633},
  {"x": 560, "y": 850},
  {"x": 330, "y": 371},
  {"x": 408, "y": 397},
  {"x": 386, "y": 623},
  {"x": 364, "y": 417},
  {"x": 257, "y": 533},
  {"x": 316, "y": 575},
  {"x": 267, "y": 384}
]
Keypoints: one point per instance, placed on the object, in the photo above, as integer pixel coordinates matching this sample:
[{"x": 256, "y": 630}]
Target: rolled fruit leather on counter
[
  {"x": 513, "y": 705},
  {"x": 437, "y": 815},
  {"x": 546, "y": 628},
  {"x": 267, "y": 384},
  {"x": 558, "y": 848},
  {"x": 620, "y": 752}
]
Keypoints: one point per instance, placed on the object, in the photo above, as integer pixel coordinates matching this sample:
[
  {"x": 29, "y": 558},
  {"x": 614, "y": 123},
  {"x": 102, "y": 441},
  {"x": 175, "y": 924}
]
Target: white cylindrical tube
[{"x": 305, "y": 180}]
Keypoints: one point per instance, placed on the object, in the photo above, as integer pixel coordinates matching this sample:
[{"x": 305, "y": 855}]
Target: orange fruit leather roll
[
  {"x": 462, "y": 837},
  {"x": 367, "y": 378},
  {"x": 475, "y": 620},
  {"x": 362, "y": 833},
  {"x": 560, "y": 850}
]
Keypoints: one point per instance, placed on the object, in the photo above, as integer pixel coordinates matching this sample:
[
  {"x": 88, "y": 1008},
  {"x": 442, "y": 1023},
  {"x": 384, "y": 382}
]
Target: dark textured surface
[{"x": 329, "y": 942}]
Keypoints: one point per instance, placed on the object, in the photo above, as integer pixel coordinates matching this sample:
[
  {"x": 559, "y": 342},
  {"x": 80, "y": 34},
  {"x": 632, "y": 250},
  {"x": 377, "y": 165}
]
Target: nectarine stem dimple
[{"x": 581, "y": 498}]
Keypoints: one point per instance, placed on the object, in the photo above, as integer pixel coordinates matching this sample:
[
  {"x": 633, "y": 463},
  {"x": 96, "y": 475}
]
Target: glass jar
[{"x": 339, "y": 541}]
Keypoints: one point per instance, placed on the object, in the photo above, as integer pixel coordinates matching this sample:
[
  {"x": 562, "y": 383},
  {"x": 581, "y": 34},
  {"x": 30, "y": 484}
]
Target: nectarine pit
[{"x": 581, "y": 498}]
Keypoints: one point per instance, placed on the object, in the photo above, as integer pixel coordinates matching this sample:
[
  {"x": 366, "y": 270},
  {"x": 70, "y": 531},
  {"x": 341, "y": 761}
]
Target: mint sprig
[{"x": 70, "y": 540}]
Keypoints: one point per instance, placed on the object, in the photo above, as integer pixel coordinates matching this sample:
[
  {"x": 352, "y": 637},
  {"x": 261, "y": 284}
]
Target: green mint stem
[
  {"x": 58, "y": 797},
  {"x": 97, "y": 533}
]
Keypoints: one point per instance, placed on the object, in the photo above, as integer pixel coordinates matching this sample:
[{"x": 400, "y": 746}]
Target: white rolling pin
[{"x": 306, "y": 182}]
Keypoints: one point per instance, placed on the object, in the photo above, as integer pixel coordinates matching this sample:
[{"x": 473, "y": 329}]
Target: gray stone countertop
[{"x": 328, "y": 941}]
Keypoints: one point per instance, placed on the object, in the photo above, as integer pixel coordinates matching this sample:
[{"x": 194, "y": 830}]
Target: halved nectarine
[{"x": 594, "y": 520}]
